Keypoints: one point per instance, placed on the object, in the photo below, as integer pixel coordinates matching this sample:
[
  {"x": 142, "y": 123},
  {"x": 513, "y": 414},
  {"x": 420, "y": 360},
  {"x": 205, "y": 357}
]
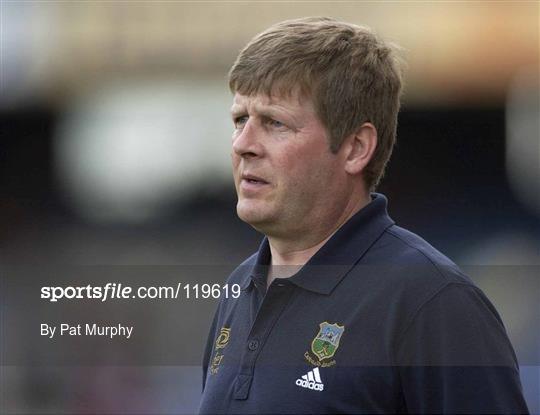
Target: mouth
[
  {"x": 251, "y": 185},
  {"x": 249, "y": 178}
]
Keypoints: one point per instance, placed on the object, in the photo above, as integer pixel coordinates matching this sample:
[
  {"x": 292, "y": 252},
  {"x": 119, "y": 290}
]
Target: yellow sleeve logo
[
  {"x": 221, "y": 341},
  {"x": 223, "y": 338}
]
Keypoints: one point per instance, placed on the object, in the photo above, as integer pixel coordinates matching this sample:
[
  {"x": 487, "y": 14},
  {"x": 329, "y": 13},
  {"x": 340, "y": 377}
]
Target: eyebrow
[{"x": 238, "y": 110}]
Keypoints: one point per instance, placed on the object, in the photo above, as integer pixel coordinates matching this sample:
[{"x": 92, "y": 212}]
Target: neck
[{"x": 289, "y": 255}]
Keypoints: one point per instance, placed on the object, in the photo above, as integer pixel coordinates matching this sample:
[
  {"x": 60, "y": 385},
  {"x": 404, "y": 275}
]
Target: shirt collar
[{"x": 337, "y": 256}]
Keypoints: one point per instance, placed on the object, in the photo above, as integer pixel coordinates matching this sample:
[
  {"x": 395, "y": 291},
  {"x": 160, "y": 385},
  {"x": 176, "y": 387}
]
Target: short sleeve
[{"x": 455, "y": 357}]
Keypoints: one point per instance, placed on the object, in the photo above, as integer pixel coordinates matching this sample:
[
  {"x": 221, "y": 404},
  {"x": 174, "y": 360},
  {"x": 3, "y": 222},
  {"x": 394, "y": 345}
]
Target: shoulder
[
  {"x": 409, "y": 272},
  {"x": 241, "y": 273},
  {"x": 438, "y": 304},
  {"x": 402, "y": 249},
  {"x": 241, "y": 276},
  {"x": 441, "y": 289}
]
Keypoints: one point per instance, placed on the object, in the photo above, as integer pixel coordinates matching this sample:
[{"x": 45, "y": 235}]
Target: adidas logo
[{"x": 311, "y": 380}]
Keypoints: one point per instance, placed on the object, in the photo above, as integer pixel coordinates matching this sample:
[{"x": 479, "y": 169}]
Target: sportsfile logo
[{"x": 311, "y": 380}]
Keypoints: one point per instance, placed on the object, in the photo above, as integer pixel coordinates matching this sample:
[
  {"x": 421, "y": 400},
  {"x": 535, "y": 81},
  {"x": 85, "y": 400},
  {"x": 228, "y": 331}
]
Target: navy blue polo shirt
[{"x": 377, "y": 321}]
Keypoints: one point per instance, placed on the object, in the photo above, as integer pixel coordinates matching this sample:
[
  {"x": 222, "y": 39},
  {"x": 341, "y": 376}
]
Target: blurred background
[{"x": 114, "y": 150}]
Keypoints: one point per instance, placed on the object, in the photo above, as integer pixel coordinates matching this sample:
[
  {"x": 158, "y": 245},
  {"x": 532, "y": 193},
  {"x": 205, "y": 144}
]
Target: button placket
[
  {"x": 253, "y": 344},
  {"x": 274, "y": 302}
]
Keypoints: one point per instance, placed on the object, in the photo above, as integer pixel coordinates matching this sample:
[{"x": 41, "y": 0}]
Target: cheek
[
  {"x": 235, "y": 161},
  {"x": 299, "y": 170},
  {"x": 291, "y": 167}
]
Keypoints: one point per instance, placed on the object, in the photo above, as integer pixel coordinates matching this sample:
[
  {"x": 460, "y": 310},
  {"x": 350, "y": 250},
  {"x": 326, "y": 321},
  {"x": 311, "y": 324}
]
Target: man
[{"x": 341, "y": 311}]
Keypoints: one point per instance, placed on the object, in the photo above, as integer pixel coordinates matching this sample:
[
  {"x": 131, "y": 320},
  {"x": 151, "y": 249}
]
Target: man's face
[{"x": 286, "y": 177}]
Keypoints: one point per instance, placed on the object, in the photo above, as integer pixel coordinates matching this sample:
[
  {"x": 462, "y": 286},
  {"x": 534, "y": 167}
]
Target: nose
[{"x": 246, "y": 142}]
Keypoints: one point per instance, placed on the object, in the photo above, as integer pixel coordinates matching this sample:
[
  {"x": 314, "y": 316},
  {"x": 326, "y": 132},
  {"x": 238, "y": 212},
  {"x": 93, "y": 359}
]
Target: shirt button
[{"x": 253, "y": 344}]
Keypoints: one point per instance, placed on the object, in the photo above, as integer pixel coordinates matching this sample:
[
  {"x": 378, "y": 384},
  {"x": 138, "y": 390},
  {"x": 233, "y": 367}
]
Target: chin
[{"x": 252, "y": 214}]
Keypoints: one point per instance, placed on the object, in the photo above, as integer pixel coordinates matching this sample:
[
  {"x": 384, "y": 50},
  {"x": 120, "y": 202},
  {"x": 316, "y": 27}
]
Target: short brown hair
[{"x": 351, "y": 75}]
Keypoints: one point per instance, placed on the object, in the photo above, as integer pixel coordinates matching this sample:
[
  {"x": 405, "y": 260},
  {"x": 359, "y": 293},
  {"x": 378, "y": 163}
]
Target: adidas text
[{"x": 311, "y": 380}]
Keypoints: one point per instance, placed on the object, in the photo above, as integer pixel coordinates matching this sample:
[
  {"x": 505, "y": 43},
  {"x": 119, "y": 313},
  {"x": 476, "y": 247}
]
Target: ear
[{"x": 360, "y": 147}]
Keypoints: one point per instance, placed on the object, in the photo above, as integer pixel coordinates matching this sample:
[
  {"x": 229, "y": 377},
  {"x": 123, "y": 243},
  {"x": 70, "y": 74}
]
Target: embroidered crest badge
[
  {"x": 325, "y": 344},
  {"x": 223, "y": 338},
  {"x": 221, "y": 342}
]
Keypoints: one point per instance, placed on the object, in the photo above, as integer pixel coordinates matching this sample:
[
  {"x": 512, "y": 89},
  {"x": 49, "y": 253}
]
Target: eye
[
  {"x": 240, "y": 121},
  {"x": 276, "y": 124}
]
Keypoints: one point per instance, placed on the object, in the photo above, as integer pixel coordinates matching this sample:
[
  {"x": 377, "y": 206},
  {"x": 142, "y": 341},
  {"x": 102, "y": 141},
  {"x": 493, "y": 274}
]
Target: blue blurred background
[{"x": 115, "y": 150}]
